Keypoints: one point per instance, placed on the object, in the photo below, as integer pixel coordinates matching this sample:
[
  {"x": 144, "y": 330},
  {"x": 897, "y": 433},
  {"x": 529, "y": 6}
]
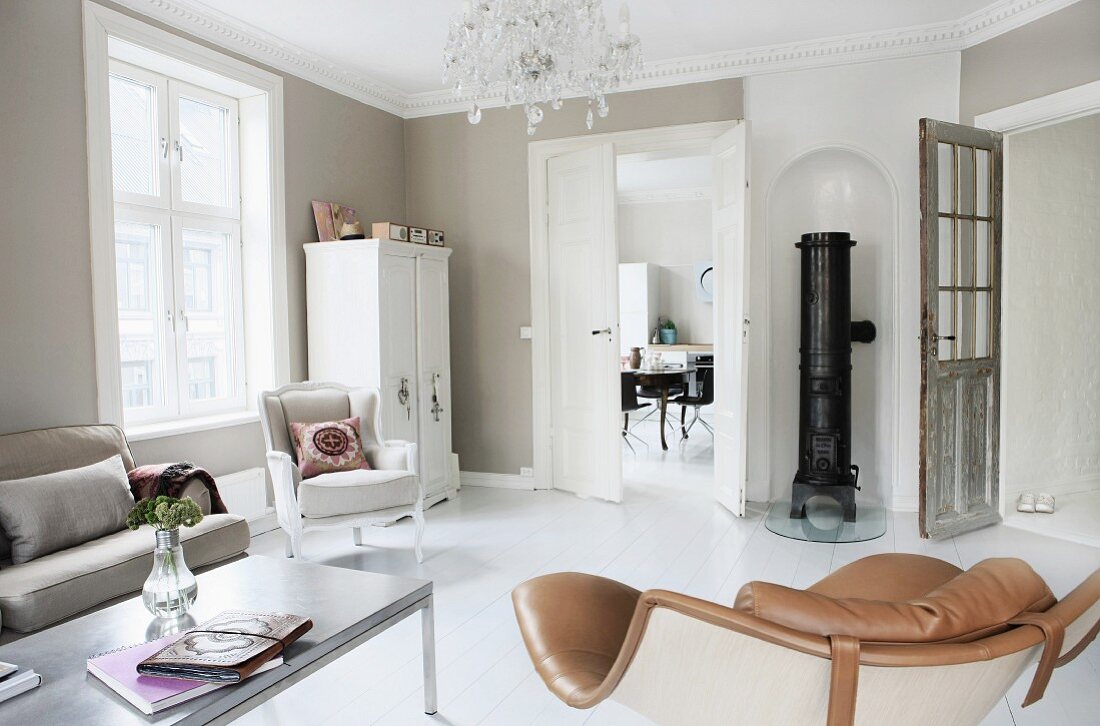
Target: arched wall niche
[{"x": 842, "y": 189}]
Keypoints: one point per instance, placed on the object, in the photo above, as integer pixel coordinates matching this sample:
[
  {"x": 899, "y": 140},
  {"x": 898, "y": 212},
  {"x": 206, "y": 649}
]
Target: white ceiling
[
  {"x": 400, "y": 42},
  {"x": 388, "y": 53}
]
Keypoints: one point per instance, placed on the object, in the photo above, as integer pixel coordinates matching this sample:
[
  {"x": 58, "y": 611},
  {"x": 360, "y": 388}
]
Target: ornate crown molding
[
  {"x": 216, "y": 27},
  {"x": 231, "y": 34}
]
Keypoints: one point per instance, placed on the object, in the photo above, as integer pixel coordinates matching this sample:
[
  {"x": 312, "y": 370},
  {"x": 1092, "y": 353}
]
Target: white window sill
[{"x": 144, "y": 432}]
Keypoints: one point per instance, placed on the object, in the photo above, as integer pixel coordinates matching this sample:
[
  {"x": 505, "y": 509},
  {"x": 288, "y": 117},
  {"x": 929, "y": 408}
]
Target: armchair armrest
[
  {"x": 285, "y": 478},
  {"x": 394, "y": 455}
]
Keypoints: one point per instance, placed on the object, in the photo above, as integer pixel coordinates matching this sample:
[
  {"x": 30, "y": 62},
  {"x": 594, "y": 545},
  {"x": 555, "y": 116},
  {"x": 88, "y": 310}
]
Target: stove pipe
[{"x": 825, "y": 398}]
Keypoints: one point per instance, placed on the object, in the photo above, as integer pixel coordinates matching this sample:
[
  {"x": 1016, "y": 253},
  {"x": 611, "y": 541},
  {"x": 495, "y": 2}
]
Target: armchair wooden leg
[
  {"x": 418, "y": 517},
  {"x": 294, "y": 545}
]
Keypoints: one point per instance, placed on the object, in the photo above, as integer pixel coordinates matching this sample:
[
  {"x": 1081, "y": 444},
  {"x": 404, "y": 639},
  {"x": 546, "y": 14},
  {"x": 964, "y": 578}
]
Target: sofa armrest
[
  {"x": 285, "y": 478},
  {"x": 196, "y": 490}
]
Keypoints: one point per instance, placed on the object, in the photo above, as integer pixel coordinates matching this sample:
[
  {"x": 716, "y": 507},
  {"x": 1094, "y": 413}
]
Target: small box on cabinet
[
  {"x": 418, "y": 235},
  {"x": 435, "y": 237},
  {"x": 389, "y": 230}
]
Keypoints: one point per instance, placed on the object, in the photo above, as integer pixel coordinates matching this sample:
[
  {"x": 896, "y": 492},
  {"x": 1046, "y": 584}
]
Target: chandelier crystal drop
[{"x": 536, "y": 52}]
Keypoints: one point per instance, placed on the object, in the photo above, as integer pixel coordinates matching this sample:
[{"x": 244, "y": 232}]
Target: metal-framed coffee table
[{"x": 348, "y": 608}]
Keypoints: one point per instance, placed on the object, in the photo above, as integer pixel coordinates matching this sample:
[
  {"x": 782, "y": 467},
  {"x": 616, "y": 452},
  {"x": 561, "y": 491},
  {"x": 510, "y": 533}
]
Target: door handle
[
  {"x": 606, "y": 331},
  {"x": 937, "y": 338}
]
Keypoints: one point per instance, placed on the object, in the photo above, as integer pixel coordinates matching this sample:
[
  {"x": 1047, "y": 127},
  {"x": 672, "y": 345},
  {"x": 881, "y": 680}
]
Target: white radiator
[{"x": 245, "y": 493}]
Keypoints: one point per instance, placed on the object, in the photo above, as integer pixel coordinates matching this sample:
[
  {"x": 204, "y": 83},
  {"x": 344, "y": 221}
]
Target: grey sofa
[{"x": 49, "y": 589}]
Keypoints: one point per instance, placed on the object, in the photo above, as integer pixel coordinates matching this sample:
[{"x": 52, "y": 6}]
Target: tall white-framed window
[
  {"x": 187, "y": 220},
  {"x": 177, "y": 209}
]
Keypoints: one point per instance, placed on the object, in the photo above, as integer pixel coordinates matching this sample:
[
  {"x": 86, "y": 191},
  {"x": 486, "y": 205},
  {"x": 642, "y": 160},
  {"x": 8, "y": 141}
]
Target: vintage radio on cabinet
[{"x": 390, "y": 231}]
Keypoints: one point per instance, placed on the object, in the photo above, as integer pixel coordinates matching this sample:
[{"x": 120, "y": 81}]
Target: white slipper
[
  {"x": 1026, "y": 503},
  {"x": 1044, "y": 504}
]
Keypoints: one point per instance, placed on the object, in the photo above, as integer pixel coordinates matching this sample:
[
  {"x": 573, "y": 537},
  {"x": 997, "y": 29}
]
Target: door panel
[
  {"x": 434, "y": 384},
  {"x": 583, "y": 256},
  {"x": 398, "y": 307},
  {"x": 961, "y": 179},
  {"x": 731, "y": 296}
]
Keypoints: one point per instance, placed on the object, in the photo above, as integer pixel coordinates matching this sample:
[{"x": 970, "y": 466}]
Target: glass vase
[{"x": 170, "y": 589}]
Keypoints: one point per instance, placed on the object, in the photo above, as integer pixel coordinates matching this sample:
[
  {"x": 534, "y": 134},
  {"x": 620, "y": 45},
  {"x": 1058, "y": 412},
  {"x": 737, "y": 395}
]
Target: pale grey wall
[
  {"x": 471, "y": 181},
  {"x": 1052, "y": 54},
  {"x": 336, "y": 148}
]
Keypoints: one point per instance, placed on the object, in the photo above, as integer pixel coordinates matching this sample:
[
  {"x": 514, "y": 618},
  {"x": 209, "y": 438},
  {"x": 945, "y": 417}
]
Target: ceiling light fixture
[{"x": 539, "y": 51}]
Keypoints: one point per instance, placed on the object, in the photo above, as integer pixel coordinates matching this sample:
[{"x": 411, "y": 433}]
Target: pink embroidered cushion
[{"x": 328, "y": 446}]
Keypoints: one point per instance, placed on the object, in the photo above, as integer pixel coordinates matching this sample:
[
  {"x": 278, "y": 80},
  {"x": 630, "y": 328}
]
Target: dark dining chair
[
  {"x": 630, "y": 404},
  {"x": 654, "y": 394},
  {"x": 704, "y": 397}
]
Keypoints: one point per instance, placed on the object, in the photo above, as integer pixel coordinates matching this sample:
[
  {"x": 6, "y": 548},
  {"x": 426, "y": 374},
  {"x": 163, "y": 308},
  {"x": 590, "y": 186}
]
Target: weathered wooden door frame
[{"x": 961, "y": 516}]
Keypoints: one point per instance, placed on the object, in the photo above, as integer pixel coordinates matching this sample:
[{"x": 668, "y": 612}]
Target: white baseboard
[
  {"x": 905, "y": 503},
  {"x": 496, "y": 481},
  {"x": 1059, "y": 487}
]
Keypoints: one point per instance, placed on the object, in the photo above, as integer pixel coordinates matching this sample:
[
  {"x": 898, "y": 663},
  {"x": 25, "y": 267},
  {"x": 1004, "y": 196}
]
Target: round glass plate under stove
[{"x": 824, "y": 522}]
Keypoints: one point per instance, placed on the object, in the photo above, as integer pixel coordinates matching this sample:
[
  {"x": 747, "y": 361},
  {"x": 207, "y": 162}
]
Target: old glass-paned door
[{"x": 960, "y": 169}]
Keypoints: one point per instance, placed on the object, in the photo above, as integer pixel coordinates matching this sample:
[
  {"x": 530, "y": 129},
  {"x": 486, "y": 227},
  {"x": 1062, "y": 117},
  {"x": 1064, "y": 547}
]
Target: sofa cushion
[
  {"x": 44, "y": 451},
  {"x": 51, "y": 512},
  {"x": 51, "y": 588},
  {"x": 971, "y": 605},
  {"x": 352, "y": 492}
]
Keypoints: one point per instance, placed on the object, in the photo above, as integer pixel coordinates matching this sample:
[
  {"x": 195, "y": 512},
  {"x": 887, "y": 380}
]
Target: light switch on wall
[{"x": 525, "y": 332}]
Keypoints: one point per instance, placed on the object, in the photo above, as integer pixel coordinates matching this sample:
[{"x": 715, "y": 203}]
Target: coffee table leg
[{"x": 427, "y": 627}]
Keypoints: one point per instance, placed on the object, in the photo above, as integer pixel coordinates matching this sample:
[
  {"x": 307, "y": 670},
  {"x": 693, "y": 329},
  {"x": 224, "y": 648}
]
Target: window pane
[
  {"x": 204, "y": 169},
  {"x": 208, "y": 309},
  {"x": 134, "y": 139},
  {"x": 946, "y": 178},
  {"x": 141, "y": 314},
  {"x": 967, "y": 181},
  {"x": 984, "y": 182}
]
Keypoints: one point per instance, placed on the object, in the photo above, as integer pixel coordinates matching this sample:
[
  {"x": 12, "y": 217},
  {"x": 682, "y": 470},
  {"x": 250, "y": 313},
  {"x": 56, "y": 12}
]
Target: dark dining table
[{"x": 662, "y": 379}]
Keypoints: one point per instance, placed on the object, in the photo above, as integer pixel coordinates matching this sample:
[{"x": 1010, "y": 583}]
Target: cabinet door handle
[
  {"x": 436, "y": 408},
  {"x": 403, "y": 397},
  {"x": 605, "y": 331}
]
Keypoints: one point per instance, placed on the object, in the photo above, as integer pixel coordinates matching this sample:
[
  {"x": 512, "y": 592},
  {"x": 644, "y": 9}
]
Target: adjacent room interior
[{"x": 660, "y": 363}]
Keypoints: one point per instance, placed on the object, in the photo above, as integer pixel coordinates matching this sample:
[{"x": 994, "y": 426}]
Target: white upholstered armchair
[{"x": 388, "y": 491}]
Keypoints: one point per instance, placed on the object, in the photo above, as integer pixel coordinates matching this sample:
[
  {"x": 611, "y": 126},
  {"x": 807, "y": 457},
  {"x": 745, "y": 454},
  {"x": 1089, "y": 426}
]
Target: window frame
[
  {"x": 178, "y": 89},
  {"x": 112, "y": 35},
  {"x": 159, "y": 84},
  {"x": 235, "y": 400}
]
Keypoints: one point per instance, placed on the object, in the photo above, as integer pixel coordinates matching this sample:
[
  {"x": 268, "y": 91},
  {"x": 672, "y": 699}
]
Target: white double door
[
  {"x": 415, "y": 362},
  {"x": 585, "y": 410}
]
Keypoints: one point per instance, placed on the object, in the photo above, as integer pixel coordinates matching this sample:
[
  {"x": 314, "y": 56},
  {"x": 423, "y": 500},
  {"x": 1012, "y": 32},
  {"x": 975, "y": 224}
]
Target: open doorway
[
  {"x": 666, "y": 316},
  {"x": 577, "y": 351},
  {"x": 1050, "y": 405}
]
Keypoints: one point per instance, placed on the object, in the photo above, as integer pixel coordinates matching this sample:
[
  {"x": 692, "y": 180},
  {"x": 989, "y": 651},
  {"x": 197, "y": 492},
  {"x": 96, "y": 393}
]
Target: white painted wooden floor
[{"x": 668, "y": 533}]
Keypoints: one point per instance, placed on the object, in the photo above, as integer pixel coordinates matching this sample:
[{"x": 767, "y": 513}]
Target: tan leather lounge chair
[{"x": 889, "y": 639}]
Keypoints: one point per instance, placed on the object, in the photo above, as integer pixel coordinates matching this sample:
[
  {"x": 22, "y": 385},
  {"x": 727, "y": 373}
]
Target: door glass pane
[
  {"x": 981, "y": 341},
  {"x": 208, "y": 319},
  {"x": 946, "y": 177},
  {"x": 142, "y": 315},
  {"x": 134, "y": 141},
  {"x": 964, "y": 323},
  {"x": 966, "y": 180},
  {"x": 943, "y": 326},
  {"x": 966, "y": 253},
  {"x": 983, "y": 254},
  {"x": 983, "y": 173},
  {"x": 204, "y": 165},
  {"x": 946, "y": 251}
]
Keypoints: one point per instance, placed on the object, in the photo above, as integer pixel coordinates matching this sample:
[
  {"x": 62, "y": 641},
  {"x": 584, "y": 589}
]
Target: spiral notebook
[{"x": 150, "y": 694}]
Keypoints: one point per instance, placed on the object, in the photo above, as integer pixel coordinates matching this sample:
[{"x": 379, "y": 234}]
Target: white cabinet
[
  {"x": 378, "y": 315},
  {"x": 638, "y": 300}
]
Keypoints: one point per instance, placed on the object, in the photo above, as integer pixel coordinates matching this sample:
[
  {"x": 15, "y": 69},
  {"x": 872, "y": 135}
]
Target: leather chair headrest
[{"x": 957, "y": 606}]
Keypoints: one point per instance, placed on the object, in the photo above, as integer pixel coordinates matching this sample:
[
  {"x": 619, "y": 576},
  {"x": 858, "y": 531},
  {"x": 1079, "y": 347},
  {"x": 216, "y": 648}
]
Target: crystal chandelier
[{"x": 538, "y": 51}]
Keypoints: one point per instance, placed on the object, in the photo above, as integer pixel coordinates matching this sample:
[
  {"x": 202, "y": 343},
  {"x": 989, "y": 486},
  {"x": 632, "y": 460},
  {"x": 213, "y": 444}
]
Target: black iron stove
[{"x": 825, "y": 401}]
